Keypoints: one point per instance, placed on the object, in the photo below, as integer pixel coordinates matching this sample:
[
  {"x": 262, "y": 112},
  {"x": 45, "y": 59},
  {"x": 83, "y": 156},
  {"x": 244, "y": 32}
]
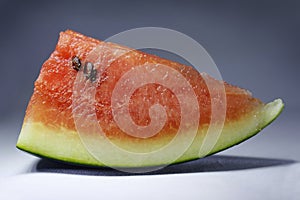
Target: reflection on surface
[{"x": 209, "y": 164}]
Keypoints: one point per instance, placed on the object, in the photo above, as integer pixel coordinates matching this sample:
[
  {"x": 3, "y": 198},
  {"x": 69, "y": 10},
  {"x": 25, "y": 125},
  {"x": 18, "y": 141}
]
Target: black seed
[
  {"x": 93, "y": 75},
  {"x": 76, "y": 63},
  {"x": 87, "y": 70}
]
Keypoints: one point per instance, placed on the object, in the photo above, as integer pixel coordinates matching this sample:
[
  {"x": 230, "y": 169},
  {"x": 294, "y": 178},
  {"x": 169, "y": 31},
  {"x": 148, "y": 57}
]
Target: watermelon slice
[{"x": 54, "y": 118}]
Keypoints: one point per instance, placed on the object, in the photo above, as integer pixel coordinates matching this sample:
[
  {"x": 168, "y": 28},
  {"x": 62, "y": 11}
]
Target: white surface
[
  {"x": 266, "y": 183},
  {"x": 281, "y": 182}
]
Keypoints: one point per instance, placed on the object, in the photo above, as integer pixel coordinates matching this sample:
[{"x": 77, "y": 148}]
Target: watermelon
[{"x": 71, "y": 111}]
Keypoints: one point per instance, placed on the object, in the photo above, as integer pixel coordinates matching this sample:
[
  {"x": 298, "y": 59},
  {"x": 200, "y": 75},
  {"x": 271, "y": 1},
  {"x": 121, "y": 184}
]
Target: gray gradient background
[{"x": 255, "y": 44}]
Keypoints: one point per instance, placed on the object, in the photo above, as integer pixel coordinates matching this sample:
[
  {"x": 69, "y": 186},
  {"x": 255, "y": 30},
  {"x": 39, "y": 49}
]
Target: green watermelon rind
[
  {"x": 278, "y": 104},
  {"x": 267, "y": 115}
]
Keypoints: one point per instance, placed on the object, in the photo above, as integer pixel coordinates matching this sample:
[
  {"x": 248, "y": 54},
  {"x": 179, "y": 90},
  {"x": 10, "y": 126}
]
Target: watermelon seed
[
  {"x": 89, "y": 71},
  {"x": 93, "y": 75},
  {"x": 76, "y": 63}
]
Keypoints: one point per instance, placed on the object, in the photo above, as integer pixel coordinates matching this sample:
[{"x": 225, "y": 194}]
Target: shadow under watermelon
[{"x": 215, "y": 163}]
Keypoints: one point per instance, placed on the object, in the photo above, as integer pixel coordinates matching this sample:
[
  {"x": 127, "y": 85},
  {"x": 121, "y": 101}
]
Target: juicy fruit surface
[
  {"x": 49, "y": 129},
  {"x": 52, "y": 97}
]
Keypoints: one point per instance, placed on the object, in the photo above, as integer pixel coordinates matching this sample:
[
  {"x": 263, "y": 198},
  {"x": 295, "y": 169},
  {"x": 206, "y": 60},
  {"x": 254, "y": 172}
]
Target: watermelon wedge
[{"x": 53, "y": 117}]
